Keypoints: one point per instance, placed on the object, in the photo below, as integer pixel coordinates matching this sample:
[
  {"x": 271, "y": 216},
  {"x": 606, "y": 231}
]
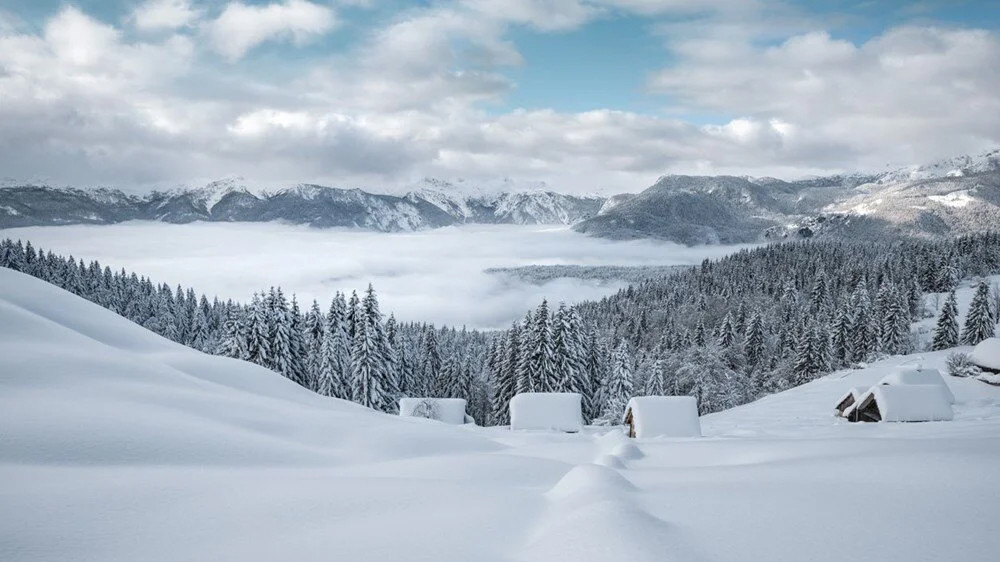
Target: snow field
[{"x": 118, "y": 445}]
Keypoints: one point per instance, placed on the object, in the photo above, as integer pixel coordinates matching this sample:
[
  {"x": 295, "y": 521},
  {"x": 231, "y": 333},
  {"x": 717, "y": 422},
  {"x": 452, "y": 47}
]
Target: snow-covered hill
[{"x": 116, "y": 444}]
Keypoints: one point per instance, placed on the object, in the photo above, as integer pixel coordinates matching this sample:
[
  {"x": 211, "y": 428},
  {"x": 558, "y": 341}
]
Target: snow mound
[
  {"x": 918, "y": 376},
  {"x": 610, "y": 461},
  {"x": 607, "y": 530},
  {"x": 664, "y": 416},
  {"x": 987, "y": 353},
  {"x": 627, "y": 451},
  {"x": 554, "y": 411},
  {"x": 591, "y": 481}
]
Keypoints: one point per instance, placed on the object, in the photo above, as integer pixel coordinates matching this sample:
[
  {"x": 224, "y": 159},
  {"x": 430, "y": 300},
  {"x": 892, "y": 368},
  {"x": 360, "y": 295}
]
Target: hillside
[{"x": 116, "y": 442}]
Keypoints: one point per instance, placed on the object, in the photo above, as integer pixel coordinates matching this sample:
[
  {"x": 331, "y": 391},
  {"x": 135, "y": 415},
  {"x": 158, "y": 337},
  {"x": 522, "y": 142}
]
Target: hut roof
[
  {"x": 664, "y": 416},
  {"x": 906, "y": 403},
  {"x": 850, "y": 398},
  {"x": 558, "y": 411},
  {"x": 918, "y": 376},
  {"x": 447, "y": 410},
  {"x": 986, "y": 354}
]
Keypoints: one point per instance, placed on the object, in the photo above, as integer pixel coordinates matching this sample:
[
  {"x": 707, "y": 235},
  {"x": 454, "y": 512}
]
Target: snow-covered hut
[
  {"x": 903, "y": 403},
  {"x": 986, "y": 355},
  {"x": 846, "y": 402},
  {"x": 662, "y": 416},
  {"x": 447, "y": 410},
  {"x": 918, "y": 375},
  {"x": 556, "y": 411}
]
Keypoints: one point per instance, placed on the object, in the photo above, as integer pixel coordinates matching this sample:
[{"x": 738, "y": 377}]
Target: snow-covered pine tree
[
  {"x": 946, "y": 331},
  {"x": 727, "y": 332},
  {"x": 618, "y": 387},
  {"x": 753, "y": 346},
  {"x": 841, "y": 343},
  {"x": 258, "y": 333},
  {"x": 373, "y": 384},
  {"x": 314, "y": 331},
  {"x": 980, "y": 323},
  {"x": 297, "y": 346},
  {"x": 431, "y": 362},
  {"x": 234, "y": 336}
]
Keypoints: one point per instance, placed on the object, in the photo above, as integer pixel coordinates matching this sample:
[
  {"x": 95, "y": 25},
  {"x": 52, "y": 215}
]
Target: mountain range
[{"x": 953, "y": 196}]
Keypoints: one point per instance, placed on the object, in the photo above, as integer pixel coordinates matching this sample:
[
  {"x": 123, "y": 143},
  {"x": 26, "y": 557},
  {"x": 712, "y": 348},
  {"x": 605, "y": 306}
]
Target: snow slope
[{"x": 117, "y": 445}]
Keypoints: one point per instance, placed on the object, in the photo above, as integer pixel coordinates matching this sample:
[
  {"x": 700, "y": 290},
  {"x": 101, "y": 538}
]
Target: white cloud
[
  {"x": 241, "y": 27},
  {"x": 86, "y": 103},
  {"x": 155, "y": 15}
]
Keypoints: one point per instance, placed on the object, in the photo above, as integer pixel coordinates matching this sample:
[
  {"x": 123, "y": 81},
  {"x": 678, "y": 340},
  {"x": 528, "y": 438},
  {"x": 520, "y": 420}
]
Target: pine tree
[
  {"x": 753, "y": 347},
  {"x": 842, "y": 337},
  {"x": 234, "y": 338},
  {"x": 946, "y": 330},
  {"x": 258, "y": 333},
  {"x": 618, "y": 389},
  {"x": 727, "y": 332},
  {"x": 373, "y": 383},
  {"x": 980, "y": 323}
]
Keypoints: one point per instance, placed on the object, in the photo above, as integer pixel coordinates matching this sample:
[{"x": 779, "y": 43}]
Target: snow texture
[
  {"x": 911, "y": 403},
  {"x": 447, "y": 410},
  {"x": 664, "y": 416},
  {"x": 918, "y": 376},
  {"x": 555, "y": 411},
  {"x": 987, "y": 353}
]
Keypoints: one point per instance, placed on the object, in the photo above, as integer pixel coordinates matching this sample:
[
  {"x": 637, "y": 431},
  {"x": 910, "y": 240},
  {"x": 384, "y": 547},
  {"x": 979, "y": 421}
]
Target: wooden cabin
[
  {"x": 846, "y": 402},
  {"x": 447, "y": 410},
  {"x": 662, "y": 416},
  {"x": 903, "y": 403},
  {"x": 551, "y": 411}
]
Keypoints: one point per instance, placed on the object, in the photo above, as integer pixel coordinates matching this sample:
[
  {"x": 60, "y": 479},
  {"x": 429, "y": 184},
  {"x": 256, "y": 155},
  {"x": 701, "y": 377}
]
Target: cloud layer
[
  {"x": 171, "y": 93},
  {"x": 235, "y": 260}
]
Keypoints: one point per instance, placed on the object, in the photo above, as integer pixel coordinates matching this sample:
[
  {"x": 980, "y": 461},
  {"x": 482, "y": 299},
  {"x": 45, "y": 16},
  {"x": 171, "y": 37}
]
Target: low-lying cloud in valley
[{"x": 434, "y": 275}]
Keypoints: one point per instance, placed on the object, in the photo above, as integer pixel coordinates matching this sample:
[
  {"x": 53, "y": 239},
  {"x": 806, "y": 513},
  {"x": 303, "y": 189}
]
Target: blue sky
[{"x": 389, "y": 91}]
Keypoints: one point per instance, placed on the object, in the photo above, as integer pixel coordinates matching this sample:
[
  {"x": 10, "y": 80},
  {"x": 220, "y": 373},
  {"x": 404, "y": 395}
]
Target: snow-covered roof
[
  {"x": 854, "y": 394},
  {"x": 447, "y": 410},
  {"x": 664, "y": 416},
  {"x": 918, "y": 375},
  {"x": 987, "y": 353},
  {"x": 558, "y": 411},
  {"x": 909, "y": 403}
]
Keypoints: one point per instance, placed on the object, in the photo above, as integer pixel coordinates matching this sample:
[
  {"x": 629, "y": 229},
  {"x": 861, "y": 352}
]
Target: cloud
[
  {"x": 910, "y": 93},
  {"x": 234, "y": 260},
  {"x": 155, "y": 15},
  {"x": 85, "y": 102},
  {"x": 241, "y": 27}
]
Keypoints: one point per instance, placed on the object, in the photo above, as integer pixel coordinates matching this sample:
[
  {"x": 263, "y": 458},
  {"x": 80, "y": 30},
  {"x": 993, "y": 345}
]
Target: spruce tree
[
  {"x": 980, "y": 323},
  {"x": 946, "y": 331},
  {"x": 618, "y": 389}
]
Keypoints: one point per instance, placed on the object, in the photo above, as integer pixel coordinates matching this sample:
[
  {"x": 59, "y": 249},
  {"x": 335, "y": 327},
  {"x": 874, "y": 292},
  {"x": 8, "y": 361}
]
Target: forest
[{"x": 728, "y": 331}]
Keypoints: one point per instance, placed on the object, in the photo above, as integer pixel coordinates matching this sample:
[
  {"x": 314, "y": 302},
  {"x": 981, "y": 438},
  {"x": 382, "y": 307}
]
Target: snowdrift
[{"x": 82, "y": 385}]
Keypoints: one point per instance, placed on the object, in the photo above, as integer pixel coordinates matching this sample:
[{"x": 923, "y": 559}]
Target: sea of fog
[{"x": 435, "y": 275}]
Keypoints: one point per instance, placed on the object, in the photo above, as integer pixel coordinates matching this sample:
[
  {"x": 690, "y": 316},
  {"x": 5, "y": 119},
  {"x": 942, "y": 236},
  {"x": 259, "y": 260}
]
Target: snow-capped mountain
[
  {"x": 432, "y": 205},
  {"x": 954, "y": 196}
]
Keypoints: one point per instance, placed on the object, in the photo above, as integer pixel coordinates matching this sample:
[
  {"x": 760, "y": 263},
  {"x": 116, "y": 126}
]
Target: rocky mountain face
[
  {"x": 955, "y": 196},
  {"x": 303, "y": 204}
]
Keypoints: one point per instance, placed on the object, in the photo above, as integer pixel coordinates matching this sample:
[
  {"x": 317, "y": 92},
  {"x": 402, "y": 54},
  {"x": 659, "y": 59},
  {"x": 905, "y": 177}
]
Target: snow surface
[
  {"x": 117, "y": 445},
  {"x": 908, "y": 375},
  {"x": 987, "y": 353},
  {"x": 447, "y": 410},
  {"x": 559, "y": 411},
  {"x": 910, "y": 402},
  {"x": 664, "y": 416}
]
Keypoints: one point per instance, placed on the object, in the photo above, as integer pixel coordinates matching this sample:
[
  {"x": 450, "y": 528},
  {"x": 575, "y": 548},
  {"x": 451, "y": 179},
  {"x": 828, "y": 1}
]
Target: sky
[{"x": 588, "y": 96}]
